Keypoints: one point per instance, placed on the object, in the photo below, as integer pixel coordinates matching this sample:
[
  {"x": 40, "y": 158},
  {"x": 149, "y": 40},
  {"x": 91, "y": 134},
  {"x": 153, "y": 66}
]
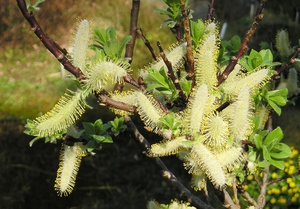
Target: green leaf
[
  {"x": 275, "y": 107},
  {"x": 266, "y": 153},
  {"x": 123, "y": 44},
  {"x": 100, "y": 36},
  {"x": 254, "y": 59},
  {"x": 274, "y": 137},
  {"x": 89, "y": 128},
  {"x": 98, "y": 126},
  {"x": 197, "y": 29},
  {"x": 263, "y": 164},
  {"x": 281, "y": 151},
  {"x": 277, "y": 163},
  {"x": 111, "y": 48},
  {"x": 111, "y": 33},
  {"x": 252, "y": 156}
]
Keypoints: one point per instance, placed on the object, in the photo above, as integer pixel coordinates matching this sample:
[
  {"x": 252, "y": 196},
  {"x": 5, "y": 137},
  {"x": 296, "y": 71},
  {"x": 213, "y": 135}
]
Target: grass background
[{"x": 119, "y": 176}]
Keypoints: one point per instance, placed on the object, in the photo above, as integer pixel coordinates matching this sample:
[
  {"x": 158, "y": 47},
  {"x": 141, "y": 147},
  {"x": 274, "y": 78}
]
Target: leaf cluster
[
  {"x": 269, "y": 150},
  {"x": 107, "y": 44}
]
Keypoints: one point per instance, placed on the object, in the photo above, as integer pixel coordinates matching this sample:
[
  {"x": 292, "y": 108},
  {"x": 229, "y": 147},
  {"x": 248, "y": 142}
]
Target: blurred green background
[{"x": 119, "y": 176}]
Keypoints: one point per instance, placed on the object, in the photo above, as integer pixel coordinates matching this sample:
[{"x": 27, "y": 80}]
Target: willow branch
[
  {"x": 246, "y": 196},
  {"x": 166, "y": 173},
  {"x": 189, "y": 48},
  {"x": 261, "y": 200},
  {"x": 49, "y": 44},
  {"x": 244, "y": 46},
  {"x": 133, "y": 28},
  {"x": 105, "y": 100},
  {"x": 284, "y": 177},
  {"x": 284, "y": 67},
  {"x": 147, "y": 43},
  {"x": 210, "y": 14},
  {"x": 171, "y": 74}
]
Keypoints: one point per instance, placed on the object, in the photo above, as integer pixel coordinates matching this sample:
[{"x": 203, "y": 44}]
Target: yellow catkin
[
  {"x": 196, "y": 108},
  {"x": 70, "y": 159},
  {"x": 209, "y": 164},
  {"x": 205, "y": 62},
  {"x": 106, "y": 71},
  {"x": 149, "y": 111},
  {"x": 80, "y": 45},
  {"x": 251, "y": 80},
  {"x": 127, "y": 97},
  {"x": 216, "y": 131},
  {"x": 240, "y": 122},
  {"x": 175, "y": 55},
  {"x": 198, "y": 181},
  {"x": 168, "y": 147},
  {"x": 230, "y": 157},
  {"x": 64, "y": 114},
  {"x": 283, "y": 44}
]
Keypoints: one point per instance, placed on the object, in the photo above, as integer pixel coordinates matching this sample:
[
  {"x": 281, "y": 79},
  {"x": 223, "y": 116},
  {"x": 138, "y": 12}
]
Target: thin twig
[
  {"x": 284, "y": 177},
  {"x": 133, "y": 28},
  {"x": 49, "y": 44},
  {"x": 104, "y": 100},
  {"x": 244, "y": 46},
  {"x": 246, "y": 195},
  {"x": 210, "y": 14},
  {"x": 166, "y": 173},
  {"x": 261, "y": 200},
  {"x": 147, "y": 43},
  {"x": 171, "y": 74},
  {"x": 284, "y": 67},
  {"x": 189, "y": 47}
]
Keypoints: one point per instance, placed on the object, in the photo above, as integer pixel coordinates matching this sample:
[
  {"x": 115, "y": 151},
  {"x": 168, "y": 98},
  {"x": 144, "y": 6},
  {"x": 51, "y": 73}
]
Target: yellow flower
[
  {"x": 276, "y": 191},
  {"x": 274, "y": 175},
  {"x": 290, "y": 191},
  {"x": 295, "y": 190},
  {"x": 291, "y": 170},
  {"x": 284, "y": 189},
  {"x": 282, "y": 200},
  {"x": 250, "y": 178},
  {"x": 294, "y": 152},
  {"x": 292, "y": 184},
  {"x": 294, "y": 199},
  {"x": 273, "y": 201},
  {"x": 289, "y": 180}
]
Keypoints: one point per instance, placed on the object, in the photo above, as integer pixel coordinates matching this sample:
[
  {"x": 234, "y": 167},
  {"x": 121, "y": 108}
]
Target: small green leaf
[
  {"x": 89, "y": 128},
  {"x": 274, "y": 137},
  {"x": 197, "y": 29},
  {"x": 277, "y": 163},
  {"x": 275, "y": 107},
  {"x": 123, "y": 44},
  {"x": 254, "y": 59},
  {"x": 263, "y": 164},
  {"x": 266, "y": 153},
  {"x": 111, "y": 48},
  {"x": 281, "y": 151},
  {"x": 252, "y": 156}
]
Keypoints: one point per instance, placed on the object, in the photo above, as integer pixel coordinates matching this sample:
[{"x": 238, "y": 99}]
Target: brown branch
[
  {"x": 133, "y": 28},
  {"x": 171, "y": 74},
  {"x": 166, "y": 173},
  {"x": 261, "y": 200},
  {"x": 284, "y": 177},
  {"x": 49, "y": 44},
  {"x": 104, "y": 100},
  {"x": 147, "y": 43},
  {"x": 189, "y": 48},
  {"x": 210, "y": 14},
  {"x": 284, "y": 67},
  {"x": 244, "y": 46},
  {"x": 246, "y": 195}
]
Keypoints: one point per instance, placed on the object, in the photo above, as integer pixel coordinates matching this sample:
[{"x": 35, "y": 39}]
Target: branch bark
[
  {"x": 133, "y": 29},
  {"x": 49, "y": 44},
  {"x": 189, "y": 48},
  {"x": 244, "y": 46},
  {"x": 166, "y": 173}
]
